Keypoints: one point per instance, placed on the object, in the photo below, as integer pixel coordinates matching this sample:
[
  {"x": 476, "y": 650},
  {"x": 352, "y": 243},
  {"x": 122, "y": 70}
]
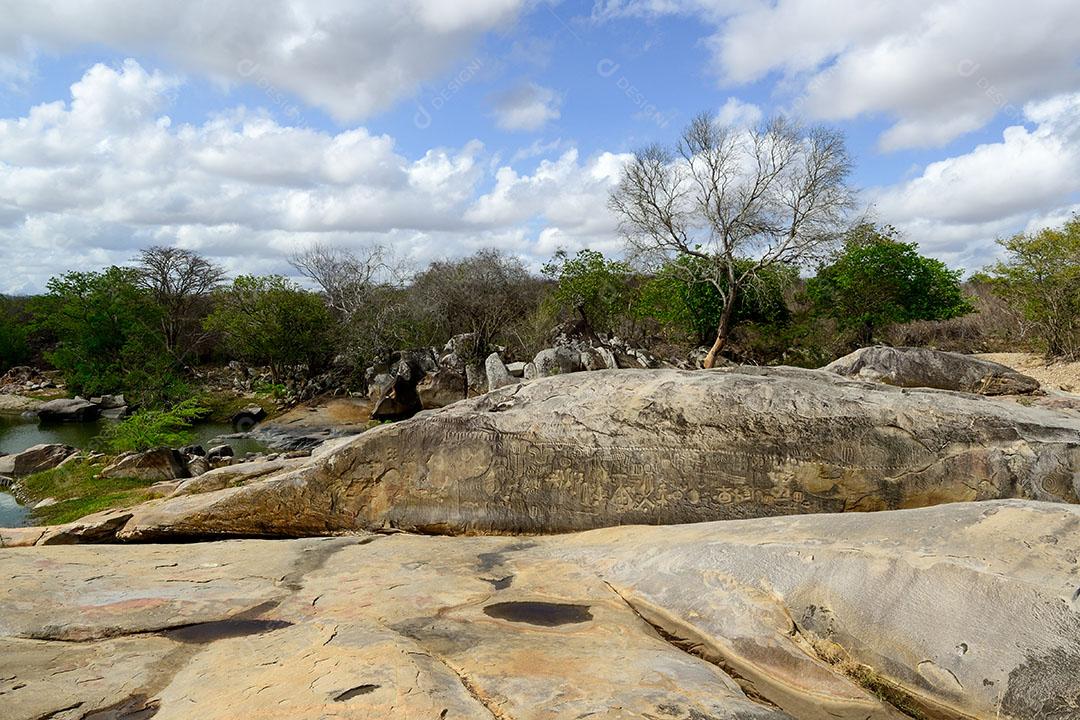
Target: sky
[{"x": 248, "y": 130}]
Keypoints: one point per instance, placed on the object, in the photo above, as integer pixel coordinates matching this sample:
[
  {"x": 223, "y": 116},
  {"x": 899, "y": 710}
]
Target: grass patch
[
  {"x": 221, "y": 407},
  {"x": 78, "y": 492},
  {"x": 865, "y": 676}
]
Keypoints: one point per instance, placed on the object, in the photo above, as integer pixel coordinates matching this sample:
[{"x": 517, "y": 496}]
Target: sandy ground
[
  {"x": 338, "y": 413},
  {"x": 1059, "y": 375}
]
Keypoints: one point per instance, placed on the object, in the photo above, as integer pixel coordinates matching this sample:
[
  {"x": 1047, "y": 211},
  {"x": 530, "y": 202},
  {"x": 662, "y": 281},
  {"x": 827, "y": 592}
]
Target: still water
[{"x": 18, "y": 433}]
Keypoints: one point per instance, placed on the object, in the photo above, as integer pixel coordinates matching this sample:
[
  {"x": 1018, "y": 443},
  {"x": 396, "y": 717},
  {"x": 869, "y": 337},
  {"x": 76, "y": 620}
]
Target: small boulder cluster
[
  {"x": 79, "y": 409},
  {"x": 23, "y": 379},
  {"x": 415, "y": 380}
]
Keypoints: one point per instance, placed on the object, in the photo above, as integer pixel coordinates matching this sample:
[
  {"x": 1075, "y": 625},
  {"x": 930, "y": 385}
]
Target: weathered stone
[
  {"x": 163, "y": 488},
  {"x": 442, "y": 387},
  {"x": 157, "y": 464},
  {"x": 109, "y": 402},
  {"x": 651, "y": 447},
  {"x": 922, "y": 367},
  {"x": 35, "y": 459},
  {"x": 395, "y": 396},
  {"x": 247, "y": 418},
  {"x": 557, "y": 361},
  {"x": 516, "y": 369},
  {"x": 960, "y": 611},
  {"x": 197, "y": 465},
  {"x": 530, "y": 372},
  {"x": 220, "y": 451},
  {"x": 68, "y": 410},
  {"x": 497, "y": 374}
]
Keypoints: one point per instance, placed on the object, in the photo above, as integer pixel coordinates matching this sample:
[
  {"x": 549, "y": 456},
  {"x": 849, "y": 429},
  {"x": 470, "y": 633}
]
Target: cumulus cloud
[
  {"x": 351, "y": 59},
  {"x": 1029, "y": 179},
  {"x": 938, "y": 68},
  {"x": 85, "y": 182},
  {"x": 526, "y": 107},
  {"x": 737, "y": 113}
]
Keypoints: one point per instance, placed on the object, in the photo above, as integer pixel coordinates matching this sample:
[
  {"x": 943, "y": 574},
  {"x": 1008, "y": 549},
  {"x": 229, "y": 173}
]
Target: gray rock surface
[
  {"x": 926, "y": 368},
  {"x": 151, "y": 465},
  {"x": 497, "y": 374},
  {"x": 68, "y": 410},
  {"x": 960, "y": 611},
  {"x": 35, "y": 459},
  {"x": 651, "y": 447},
  {"x": 557, "y": 361}
]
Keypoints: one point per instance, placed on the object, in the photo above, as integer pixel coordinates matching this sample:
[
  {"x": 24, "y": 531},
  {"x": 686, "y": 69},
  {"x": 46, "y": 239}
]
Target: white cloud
[
  {"x": 736, "y": 113},
  {"x": 1029, "y": 179},
  {"x": 86, "y": 182},
  {"x": 937, "y": 68},
  {"x": 526, "y": 107},
  {"x": 351, "y": 59}
]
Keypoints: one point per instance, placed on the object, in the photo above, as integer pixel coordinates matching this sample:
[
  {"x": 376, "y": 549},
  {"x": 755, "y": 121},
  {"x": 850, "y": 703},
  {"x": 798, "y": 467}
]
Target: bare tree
[
  {"x": 739, "y": 201},
  {"x": 363, "y": 289},
  {"x": 180, "y": 281},
  {"x": 346, "y": 277}
]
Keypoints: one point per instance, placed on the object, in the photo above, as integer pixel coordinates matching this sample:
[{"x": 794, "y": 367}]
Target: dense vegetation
[{"x": 140, "y": 331}]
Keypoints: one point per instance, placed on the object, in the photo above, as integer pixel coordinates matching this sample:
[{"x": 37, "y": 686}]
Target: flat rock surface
[
  {"x": 607, "y": 448},
  {"x": 959, "y": 611}
]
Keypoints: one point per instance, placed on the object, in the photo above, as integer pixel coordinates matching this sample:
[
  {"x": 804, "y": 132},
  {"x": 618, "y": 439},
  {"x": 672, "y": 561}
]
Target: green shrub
[{"x": 149, "y": 429}]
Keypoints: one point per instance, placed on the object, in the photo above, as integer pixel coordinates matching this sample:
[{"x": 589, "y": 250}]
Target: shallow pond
[
  {"x": 18, "y": 433},
  {"x": 12, "y": 514}
]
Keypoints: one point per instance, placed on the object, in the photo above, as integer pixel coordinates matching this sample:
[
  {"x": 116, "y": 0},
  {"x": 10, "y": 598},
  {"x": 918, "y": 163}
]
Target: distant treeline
[{"x": 141, "y": 329}]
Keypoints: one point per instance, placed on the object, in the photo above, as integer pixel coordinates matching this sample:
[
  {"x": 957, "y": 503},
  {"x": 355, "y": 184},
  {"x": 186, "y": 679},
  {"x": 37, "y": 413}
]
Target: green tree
[
  {"x": 107, "y": 337},
  {"x": 271, "y": 321},
  {"x": 877, "y": 281},
  {"x": 14, "y": 334},
  {"x": 1040, "y": 277},
  {"x": 692, "y": 308},
  {"x": 600, "y": 292}
]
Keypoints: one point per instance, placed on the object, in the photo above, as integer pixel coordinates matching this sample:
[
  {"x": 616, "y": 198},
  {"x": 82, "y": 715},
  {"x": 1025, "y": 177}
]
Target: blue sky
[{"x": 250, "y": 130}]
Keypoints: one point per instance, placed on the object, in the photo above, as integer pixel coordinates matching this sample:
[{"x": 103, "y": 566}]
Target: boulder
[
  {"x": 220, "y": 451},
  {"x": 394, "y": 394},
  {"x": 651, "y": 447},
  {"x": 442, "y": 387},
  {"x": 516, "y": 369},
  {"x": 151, "y": 465},
  {"x": 247, "y": 418},
  {"x": 530, "y": 372},
  {"x": 925, "y": 368},
  {"x": 198, "y": 465},
  {"x": 68, "y": 410},
  {"x": 109, "y": 402},
  {"x": 961, "y": 611},
  {"x": 497, "y": 374},
  {"x": 557, "y": 361},
  {"x": 35, "y": 459}
]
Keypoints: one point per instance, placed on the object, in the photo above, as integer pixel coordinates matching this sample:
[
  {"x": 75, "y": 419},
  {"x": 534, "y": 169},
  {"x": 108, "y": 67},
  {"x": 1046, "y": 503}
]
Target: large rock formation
[
  {"x": 921, "y": 367},
  {"x": 35, "y": 459},
  {"x": 961, "y": 611},
  {"x": 653, "y": 447},
  {"x": 68, "y": 410}
]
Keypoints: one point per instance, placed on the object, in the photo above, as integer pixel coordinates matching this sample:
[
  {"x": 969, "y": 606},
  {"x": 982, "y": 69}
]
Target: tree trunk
[{"x": 721, "y": 332}]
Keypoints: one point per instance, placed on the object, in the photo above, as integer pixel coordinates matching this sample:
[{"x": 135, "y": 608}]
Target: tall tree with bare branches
[
  {"x": 181, "y": 283},
  {"x": 773, "y": 194}
]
